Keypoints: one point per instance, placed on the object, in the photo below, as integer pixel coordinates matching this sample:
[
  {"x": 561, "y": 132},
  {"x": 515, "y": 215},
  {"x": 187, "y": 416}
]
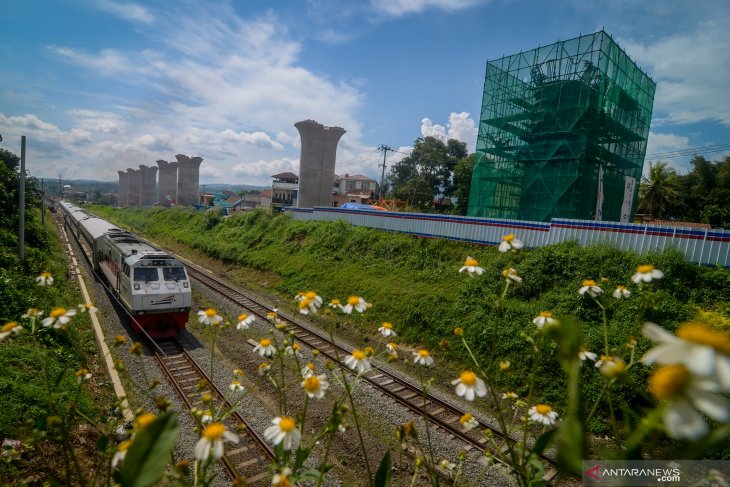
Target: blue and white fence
[{"x": 703, "y": 246}]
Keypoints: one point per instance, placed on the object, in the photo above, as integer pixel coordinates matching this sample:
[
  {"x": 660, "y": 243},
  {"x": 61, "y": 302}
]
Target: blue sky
[{"x": 102, "y": 85}]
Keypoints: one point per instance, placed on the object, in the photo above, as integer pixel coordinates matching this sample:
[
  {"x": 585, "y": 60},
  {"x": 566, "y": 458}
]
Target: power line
[
  {"x": 385, "y": 150},
  {"x": 359, "y": 159},
  {"x": 689, "y": 151}
]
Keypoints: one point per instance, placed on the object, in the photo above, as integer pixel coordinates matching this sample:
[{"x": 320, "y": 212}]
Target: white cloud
[
  {"x": 262, "y": 170},
  {"x": 660, "y": 143},
  {"x": 460, "y": 127},
  {"x": 208, "y": 170},
  {"x": 397, "y": 8},
  {"x": 127, "y": 11},
  {"x": 691, "y": 70}
]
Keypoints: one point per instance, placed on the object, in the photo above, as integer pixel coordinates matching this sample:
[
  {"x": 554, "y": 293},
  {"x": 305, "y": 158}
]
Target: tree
[
  {"x": 462, "y": 182},
  {"x": 658, "y": 190},
  {"x": 428, "y": 171}
]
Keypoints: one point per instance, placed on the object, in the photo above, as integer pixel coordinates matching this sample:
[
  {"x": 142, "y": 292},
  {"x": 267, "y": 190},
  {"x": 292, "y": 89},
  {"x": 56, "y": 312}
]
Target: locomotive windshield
[
  {"x": 145, "y": 275},
  {"x": 173, "y": 273}
]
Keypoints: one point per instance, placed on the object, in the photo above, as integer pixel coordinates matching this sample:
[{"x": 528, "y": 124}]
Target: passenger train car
[{"x": 152, "y": 286}]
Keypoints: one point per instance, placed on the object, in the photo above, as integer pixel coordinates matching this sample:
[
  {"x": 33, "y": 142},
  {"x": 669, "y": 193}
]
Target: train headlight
[{"x": 136, "y": 287}]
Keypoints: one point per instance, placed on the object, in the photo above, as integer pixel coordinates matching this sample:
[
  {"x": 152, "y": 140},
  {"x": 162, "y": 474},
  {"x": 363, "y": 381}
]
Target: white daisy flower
[
  {"x": 422, "y": 357},
  {"x": 646, "y": 273},
  {"x": 613, "y": 368},
  {"x": 335, "y": 303},
  {"x": 468, "y": 422},
  {"x": 281, "y": 479},
  {"x": 544, "y": 318},
  {"x": 272, "y": 316},
  {"x": 32, "y": 313},
  {"x": 315, "y": 385},
  {"x": 212, "y": 440},
  {"x": 355, "y": 302},
  {"x": 510, "y": 395},
  {"x": 309, "y": 302},
  {"x": 511, "y": 275},
  {"x": 236, "y": 386},
  {"x": 542, "y": 413},
  {"x": 510, "y": 243},
  {"x": 244, "y": 321},
  {"x": 264, "y": 368},
  {"x": 472, "y": 267},
  {"x": 387, "y": 330},
  {"x": 82, "y": 375},
  {"x": 293, "y": 349},
  {"x": 684, "y": 392},
  {"x": 447, "y": 465},
  {"x": 206, "y": 417},
  {"x": 120, "y": 453},
  {"x": 265, "y": 348},
  {"x": 10, "y": 328},
  {"x": 468, "y": 385},
  {"x": 45, "y": 279},
  {"x": 83, "y": 308},
  {"x": 584, "y": 355},
  {"x": 358, "y": 361},
  {"x": 590, "y": 287},
  {"x": 307, "y": 370},
  {"x": 58, "y": 317},
  {"x": 284, "y": 429},
  {"x": 702, "y": 350},
  {"x": 621, "y": 292},
  {"x": 209, "y": 317},
  {"x": 392, "y": 348}
]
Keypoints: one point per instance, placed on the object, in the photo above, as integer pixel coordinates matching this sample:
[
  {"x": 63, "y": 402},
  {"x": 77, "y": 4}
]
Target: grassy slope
[{"x": 414, "y": 284}]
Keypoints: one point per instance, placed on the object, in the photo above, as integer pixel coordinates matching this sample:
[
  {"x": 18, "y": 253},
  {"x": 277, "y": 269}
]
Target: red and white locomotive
[{"x": 153, "y": 286}]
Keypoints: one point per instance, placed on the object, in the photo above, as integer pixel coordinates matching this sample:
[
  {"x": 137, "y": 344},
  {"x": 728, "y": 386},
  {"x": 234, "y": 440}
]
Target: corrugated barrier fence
[{"x": 703, "y": 246}]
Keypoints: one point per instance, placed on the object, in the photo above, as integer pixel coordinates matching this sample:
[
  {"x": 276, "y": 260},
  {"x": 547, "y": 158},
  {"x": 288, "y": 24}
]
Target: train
[{"x": 151, "y": 285}]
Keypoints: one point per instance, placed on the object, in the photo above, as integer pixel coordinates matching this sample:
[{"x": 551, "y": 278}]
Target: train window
[
  {"x": 145, "y": 275},
  {"x": 173, "y": 273}
]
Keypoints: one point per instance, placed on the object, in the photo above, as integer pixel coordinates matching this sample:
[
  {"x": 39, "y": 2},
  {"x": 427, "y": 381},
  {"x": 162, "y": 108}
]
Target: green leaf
[
  {"x": 149, "y": 453},
  {"x": 301, "y": 456},
  {"x": 570, "y": 453},
  {"x": 102, "y": 443},
  {"x": 382, "y": 476},
  {"x": 543, "y": 442}
]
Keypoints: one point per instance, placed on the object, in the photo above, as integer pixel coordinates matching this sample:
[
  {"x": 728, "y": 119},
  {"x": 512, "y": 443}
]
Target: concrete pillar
[
  {"x": 148, "y": 185},
  {"x": 133, "y": 192},
  {"x": 123, "y": 193},
  {"x": 317, "y": 163},
  {"x": 167, "y": 183},
  {"x": 188, "y": 179}
]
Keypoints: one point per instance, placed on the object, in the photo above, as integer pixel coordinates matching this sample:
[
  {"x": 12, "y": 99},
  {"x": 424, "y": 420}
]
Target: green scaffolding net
[{"x": 562, "y": 133}]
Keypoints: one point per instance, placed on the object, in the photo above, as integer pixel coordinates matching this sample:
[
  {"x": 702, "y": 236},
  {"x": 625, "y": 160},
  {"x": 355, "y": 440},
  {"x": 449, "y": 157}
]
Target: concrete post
[
  {"x": 148, "y": 185},
  {"x": 133, "y": 188},
  {"x": 123, "y": 193},
  {"x": 188, "y": 179},
  {"x": 167, "y": 183},
  {"x": 317, "y": 163}
]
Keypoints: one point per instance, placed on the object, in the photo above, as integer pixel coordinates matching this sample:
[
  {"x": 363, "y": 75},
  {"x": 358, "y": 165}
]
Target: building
[
  {"x": 356, "y": 188},
  {"x": 562, "y": 133},
  {"x": 345, "y": 189},
  {"x": 284, "y": 190}
]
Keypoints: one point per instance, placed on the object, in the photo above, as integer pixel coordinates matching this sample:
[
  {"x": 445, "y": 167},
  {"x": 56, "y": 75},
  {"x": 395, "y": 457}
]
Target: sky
[{"x": 99, "y": 86}]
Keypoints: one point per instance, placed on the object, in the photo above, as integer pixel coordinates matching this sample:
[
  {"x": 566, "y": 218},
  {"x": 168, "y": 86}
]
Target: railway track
[
  {"x": 249, "y": 459},
  {"x": 441, "y": 415}
]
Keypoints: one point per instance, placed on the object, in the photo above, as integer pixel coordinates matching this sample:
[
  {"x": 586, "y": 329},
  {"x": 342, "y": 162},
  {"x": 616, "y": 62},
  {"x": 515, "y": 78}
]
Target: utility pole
[{"x": 385, "y": 150}]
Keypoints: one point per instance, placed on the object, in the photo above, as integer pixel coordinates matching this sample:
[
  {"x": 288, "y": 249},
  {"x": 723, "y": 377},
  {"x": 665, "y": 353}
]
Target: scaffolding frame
[{"x": 562, "y": 133}]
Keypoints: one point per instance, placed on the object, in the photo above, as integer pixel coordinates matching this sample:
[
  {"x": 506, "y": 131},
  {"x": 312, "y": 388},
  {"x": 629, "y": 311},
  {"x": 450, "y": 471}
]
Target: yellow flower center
[
  {"x": 281, "y": 481},
  {"x": 81, "y": 372},
  {"x": 504, "y": 365},
  {"x": 310, "y": 366},
  {"x": 369, "y": 351},
  {"x": 8, "y": 326},
  {"x": 271, "y": 315},
  {"x": 468, "y": 378},
  {"x": 311, "y": 384},
  {"x": 543, "y": 409},
  {"x": 393, "y": 345},
  {"x": 123, "y": 446},
  {"x": 214, "y": 431},
  {"x": 296, "y": 346},
  {"x": 589, "y": 282},
  {"x": 310, "y": 295},
  {"x": 458, "y": 331},
  {"x": 335, "y": 302},
  {"x": 509, "y": 238},
  {"x": 614, "y": 368},
  {"x": 242, "y": 317},
  {"x": 58, "y": 312},
  {"x": 304, "y": 303},
  {"x": 621, "y": 288},
  {"x": 358, "y": 354},
  {"x": 265, "y": 342},
  {"x": 423, "y": 353},
  {"x": 144, "y": 420},
  {"x": 546, "y": 314},
  {"x": 465, "y": 419},
  {"x": 45, "y": 274},
  {"x": 698, "y": 333},
  {"x": 388, "y": 326},
  {"x": 668, "y": 381},
  {"x": 645, "y": 268},
  {"x": 353, "y": 300},
  {"x": 471, "y": 262},
  {"x": 287, "y": 424},
  {"x": 235, "y": 383}
]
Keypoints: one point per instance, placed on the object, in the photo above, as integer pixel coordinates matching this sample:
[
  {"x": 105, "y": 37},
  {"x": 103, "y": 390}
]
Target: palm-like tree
[{"x": 658, "y": 190}]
